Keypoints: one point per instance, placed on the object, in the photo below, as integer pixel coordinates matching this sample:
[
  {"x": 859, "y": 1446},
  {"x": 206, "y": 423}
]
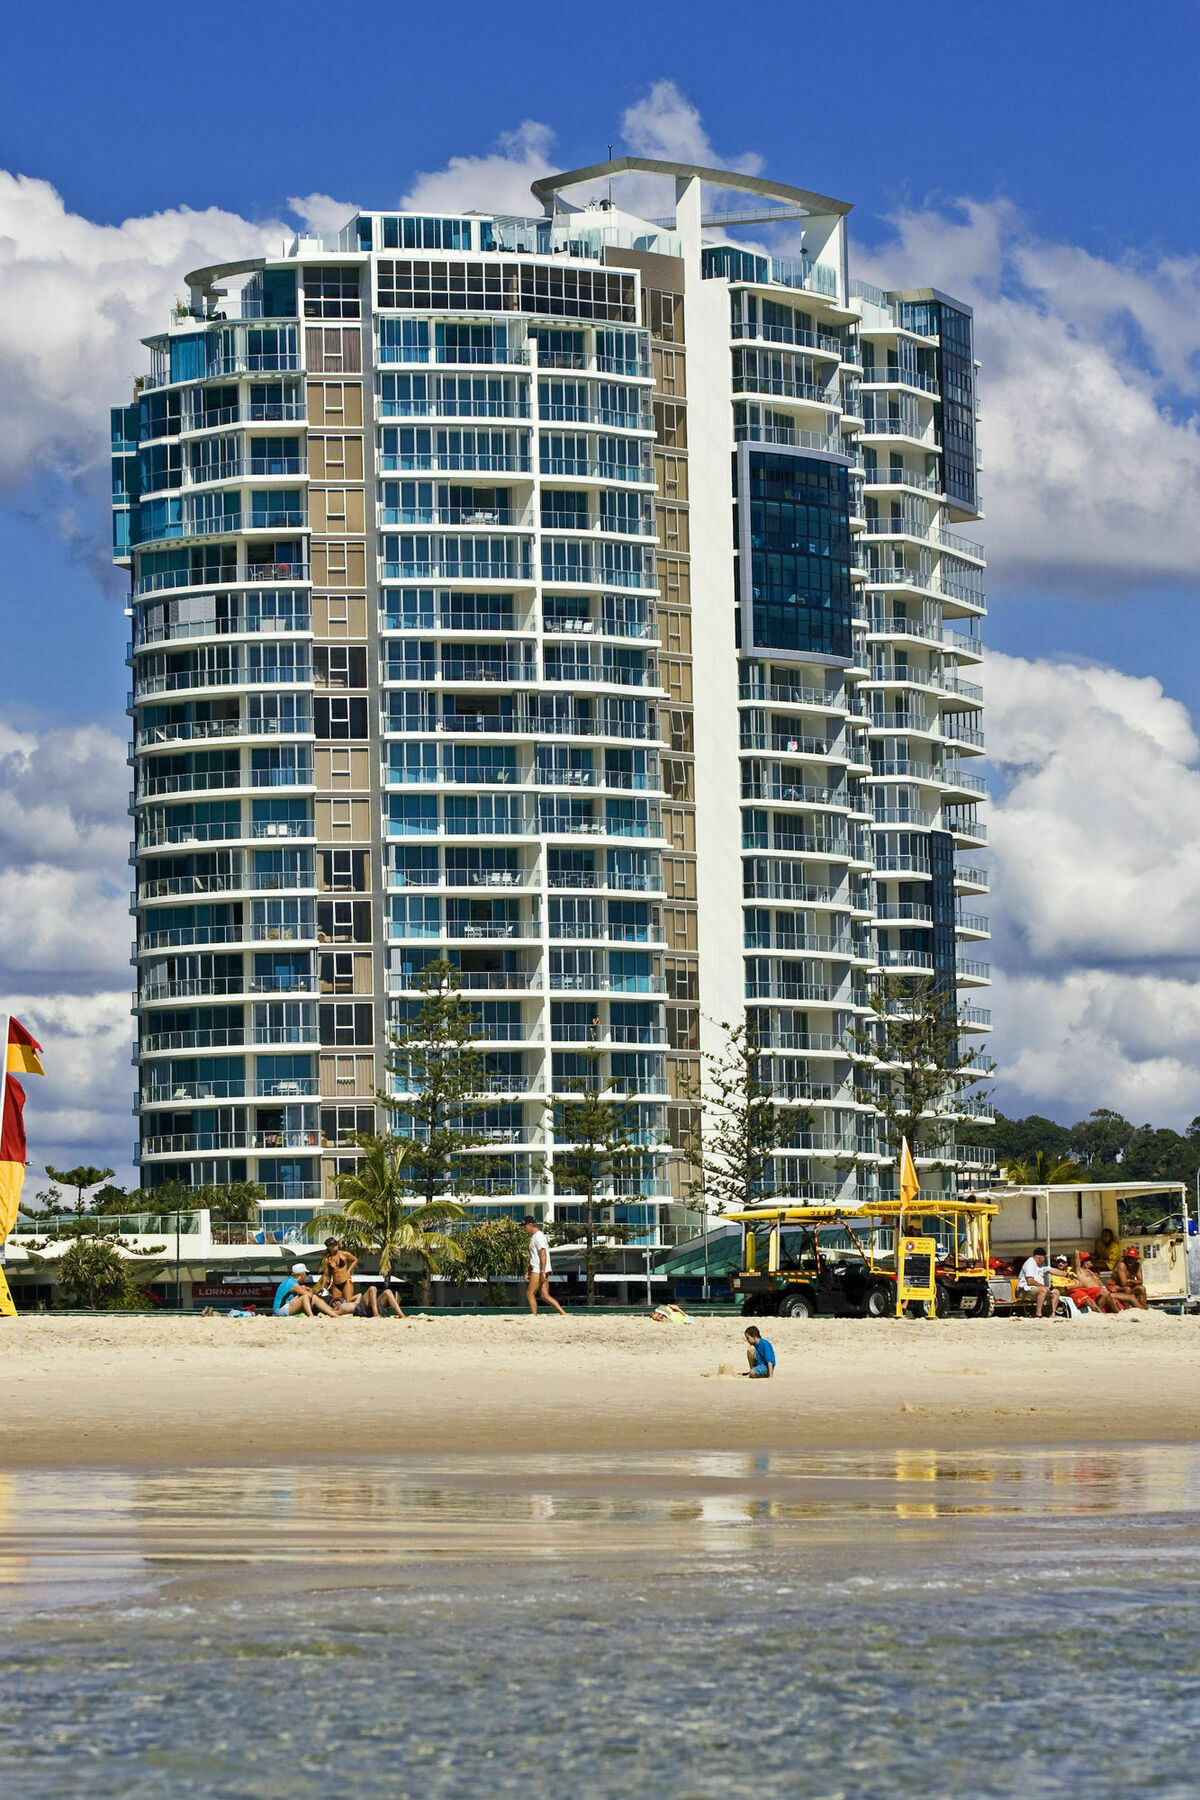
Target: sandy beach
[{"x": 117, "y": 1390}]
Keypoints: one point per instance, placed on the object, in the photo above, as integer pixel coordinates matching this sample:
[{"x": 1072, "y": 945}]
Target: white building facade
[{"x": 578, "y": 598}]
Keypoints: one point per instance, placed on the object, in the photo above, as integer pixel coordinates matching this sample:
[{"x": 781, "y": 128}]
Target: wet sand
[{"x": 170, "y": 1390}]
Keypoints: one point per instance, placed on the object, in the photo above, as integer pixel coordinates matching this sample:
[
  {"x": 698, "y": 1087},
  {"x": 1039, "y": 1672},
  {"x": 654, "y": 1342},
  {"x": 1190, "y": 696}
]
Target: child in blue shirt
[{"x": 759, "y": 1354}]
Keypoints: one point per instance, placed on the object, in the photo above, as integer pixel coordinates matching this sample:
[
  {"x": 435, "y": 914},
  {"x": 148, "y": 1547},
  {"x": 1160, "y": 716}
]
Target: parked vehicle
[{"x": 801, "y": 1261}]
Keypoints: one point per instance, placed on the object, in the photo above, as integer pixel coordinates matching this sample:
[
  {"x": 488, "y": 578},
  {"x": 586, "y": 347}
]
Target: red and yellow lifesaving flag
[{"x": 22, "y": 1058}]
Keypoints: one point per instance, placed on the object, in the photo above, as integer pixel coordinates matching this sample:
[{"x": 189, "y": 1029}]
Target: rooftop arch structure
[{"x": 547, "y": 188}]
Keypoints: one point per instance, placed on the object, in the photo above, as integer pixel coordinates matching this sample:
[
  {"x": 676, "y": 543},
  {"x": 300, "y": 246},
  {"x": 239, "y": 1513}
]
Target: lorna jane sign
[{"x": 239, "y": 1294}]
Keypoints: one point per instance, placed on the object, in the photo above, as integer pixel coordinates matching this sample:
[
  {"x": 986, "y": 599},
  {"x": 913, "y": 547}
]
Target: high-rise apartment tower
[{"x": 578, "y": 598}]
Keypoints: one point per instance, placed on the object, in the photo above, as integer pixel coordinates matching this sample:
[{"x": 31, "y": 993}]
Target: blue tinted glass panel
[{"x": 799, "y": 553}]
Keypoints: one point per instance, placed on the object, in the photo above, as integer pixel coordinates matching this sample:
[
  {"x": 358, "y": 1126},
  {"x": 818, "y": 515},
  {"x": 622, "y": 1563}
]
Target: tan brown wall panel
[
  {"x": 340, "y": 615},
  {"x": 343, "y": 821},
  {"x": 342, "y": 767},
  {"x": 675, "y": 630},
  {"x": 679, "y": 877},
  {"x": 339, "y": 565},
  {"x": 336, "y": 509},
  {"x": 670, "y": 372},
  {"x": 677, "y": 679},
  {"x": 346, "y": 1077},
  {"x": 683, "y": 1077},
  {"x": 680, "y": 927},
  {"x": 675, "y": 580},
  {"x": 673, "y": 531},
  {"x": 671, "y": 471},
  {"x": 679, "y": 828},
  {"x": 335, "y": 458},
  {"x": 336, "y": 403}
]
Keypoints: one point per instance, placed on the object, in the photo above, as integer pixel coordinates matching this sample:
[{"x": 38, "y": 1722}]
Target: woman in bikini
[{"x": 337, "y": 1272}]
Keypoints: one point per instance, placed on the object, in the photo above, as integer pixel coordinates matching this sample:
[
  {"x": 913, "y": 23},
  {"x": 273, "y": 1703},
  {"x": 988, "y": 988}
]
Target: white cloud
[
  {"x": 75, "y": 297},
  {"x": 1096, "y": 891},
  {"x": 321, "y": 214},
  {"x": 1089, "y": 391},
  {"x": 498, "y": 181}
]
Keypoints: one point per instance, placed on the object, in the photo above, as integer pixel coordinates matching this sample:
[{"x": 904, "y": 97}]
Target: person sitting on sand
[
  {"x": 1127, "y": 1283},
  {"x": 337, "y": 1273},
  {"x": 293, "y": 1295},
  {"x": 1090, "y": 1293},
  {"x": 759, "y": 1354},
  {"x": 372, "y": 1303},
  {"x": 1107, "y": 1251},
  {"x": 1034, "y": 1283}
]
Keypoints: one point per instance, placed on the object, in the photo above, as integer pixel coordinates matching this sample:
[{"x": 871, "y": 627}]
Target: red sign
[{"x": 242, "y": 1293}]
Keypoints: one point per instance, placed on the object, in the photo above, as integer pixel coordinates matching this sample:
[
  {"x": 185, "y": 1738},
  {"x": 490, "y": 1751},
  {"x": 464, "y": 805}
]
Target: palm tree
[
  {"x": 1043, "y": 1170},
  {"x": 374, "y": 1216}
]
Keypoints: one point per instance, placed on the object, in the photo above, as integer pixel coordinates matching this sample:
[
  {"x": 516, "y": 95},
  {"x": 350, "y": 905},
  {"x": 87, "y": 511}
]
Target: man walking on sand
[{"x": 539, "y": 1269}]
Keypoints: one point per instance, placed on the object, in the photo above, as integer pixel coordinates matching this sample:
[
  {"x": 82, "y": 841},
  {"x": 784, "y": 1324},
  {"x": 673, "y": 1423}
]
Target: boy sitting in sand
[{"x": 759, "y": 1354}]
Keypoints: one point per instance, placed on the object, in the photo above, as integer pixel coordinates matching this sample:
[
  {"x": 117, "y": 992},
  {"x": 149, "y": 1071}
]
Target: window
[
  {"x": 425, "y": 234},
  {"x": 343, "y": 921},
  {"x": 404, "y": 340},
  {"x": 506, "y": 287},
  {"x": 342, "y": 871},
  {"x": 681, "y": 732},
  {"x": 340, "y": 666},
  {"x": 346, "y": 1022},
  {"x": 338, "y": 718},
  {"x": 683, "y": 1027},
  {"x": 670, "y": 425},
  {"x": 331, "y": 293},
  {"x": 340, "y": 1125},
  {"x": 799, "y": 567},
  {"x": 683, "y": 978},
  {"x": 663, "y": 313},
  {"x": 336, "y": 971}
]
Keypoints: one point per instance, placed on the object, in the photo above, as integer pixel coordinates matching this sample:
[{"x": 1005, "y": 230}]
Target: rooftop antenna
[{"x": 610, "y": 179}]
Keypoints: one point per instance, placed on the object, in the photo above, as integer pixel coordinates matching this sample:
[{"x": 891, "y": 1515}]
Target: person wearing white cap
[{"x": 294, "y": 1295}]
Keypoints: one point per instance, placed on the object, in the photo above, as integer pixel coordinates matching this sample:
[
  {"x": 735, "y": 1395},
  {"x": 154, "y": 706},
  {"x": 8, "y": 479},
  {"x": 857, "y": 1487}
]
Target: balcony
[
  {"x": 796, "y": 794},
  {"x": 453, "y": 515},
  {"x": 485, "y": 569},
  {"x": 793, "y": 990},
  {"x": 581, "y": 468},
  {"x": 804, "y": 340},
  {"x": 191, "y": 1142},
  {"x": 789, "y": 438},
  {"x": 819, "y": 698},
  {"x": 924, "y": 484},
  {"x": 878, "y": 375},
  {"x": 596, "y": 983},
  {"x": 919, "y": 960}
]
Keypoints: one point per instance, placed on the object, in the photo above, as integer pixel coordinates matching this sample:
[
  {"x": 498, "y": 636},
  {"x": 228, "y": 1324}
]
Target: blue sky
[{"x": 1038, "y": 160}]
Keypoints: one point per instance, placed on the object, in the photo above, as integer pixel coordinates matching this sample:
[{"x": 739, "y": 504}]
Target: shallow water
[{"x": 693, "y": 1625}]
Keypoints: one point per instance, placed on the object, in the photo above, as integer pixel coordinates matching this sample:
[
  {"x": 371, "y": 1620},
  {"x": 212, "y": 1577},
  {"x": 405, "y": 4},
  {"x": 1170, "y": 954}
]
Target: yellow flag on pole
[{"x": 910, "y": 1187}]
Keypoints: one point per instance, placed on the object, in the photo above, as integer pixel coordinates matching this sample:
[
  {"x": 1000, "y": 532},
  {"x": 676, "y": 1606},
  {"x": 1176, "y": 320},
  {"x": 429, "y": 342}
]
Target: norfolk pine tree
[
  {"x": 600, "y": 1146},
  {"x": 440, "y": 1074},
  {"x": 742, "y": 1124},
  {"x": 913, "y": 1032}
]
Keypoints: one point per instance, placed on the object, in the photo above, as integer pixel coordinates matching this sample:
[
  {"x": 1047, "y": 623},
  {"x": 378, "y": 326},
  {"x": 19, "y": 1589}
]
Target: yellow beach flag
[
  {"x": 910, "y": 1187},
  {"x": 22, "y": 1054}
]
